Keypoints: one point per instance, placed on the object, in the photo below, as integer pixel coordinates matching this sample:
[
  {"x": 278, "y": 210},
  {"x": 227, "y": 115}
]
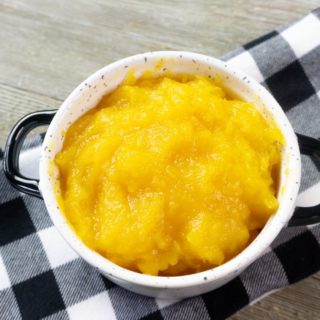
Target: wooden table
[{"x": 48, "y": 47}]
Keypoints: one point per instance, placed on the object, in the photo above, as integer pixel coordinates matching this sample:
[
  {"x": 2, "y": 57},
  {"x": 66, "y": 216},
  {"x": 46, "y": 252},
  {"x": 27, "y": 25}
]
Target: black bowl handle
[
  {"x": 309, "y": 215},
  {"x": 13, "y": 148},
  {"x": 308, "y": 146}
]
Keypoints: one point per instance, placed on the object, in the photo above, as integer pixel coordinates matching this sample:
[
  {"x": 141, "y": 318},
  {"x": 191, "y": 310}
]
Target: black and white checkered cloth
[{"x": 41, "y": 277}]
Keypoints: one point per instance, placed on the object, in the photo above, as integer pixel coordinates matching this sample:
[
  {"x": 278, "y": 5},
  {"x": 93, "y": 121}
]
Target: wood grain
[
  {"x": 15, "y": 103},
  {"x": 299, "y": 302},
  {"x": 48, "y": 47}
]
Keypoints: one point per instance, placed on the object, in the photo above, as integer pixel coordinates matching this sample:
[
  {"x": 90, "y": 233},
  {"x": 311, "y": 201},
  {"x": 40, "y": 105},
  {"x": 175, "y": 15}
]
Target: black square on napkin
[
  {"x": 290, "y": 86},
  {"x": 15, "y": 222},
  {"x": 38, "y": 297},
  {"x": 297, "y": 258}
]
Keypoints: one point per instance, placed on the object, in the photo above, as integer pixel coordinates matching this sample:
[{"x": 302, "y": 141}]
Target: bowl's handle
[
  {"x": 309, "y": 215},
  {"x": 13, "y": 148},
  {"x": 308, "y": 146}
]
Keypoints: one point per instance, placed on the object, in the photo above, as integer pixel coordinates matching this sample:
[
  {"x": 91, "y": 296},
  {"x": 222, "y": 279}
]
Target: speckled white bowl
[{"x": 88, "y": 94}]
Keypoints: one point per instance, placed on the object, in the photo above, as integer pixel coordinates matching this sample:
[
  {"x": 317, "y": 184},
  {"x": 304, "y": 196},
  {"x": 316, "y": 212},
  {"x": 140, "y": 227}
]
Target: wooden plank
[
  {"x": 15, "y": 103},
  {"x": 50, "y": 46},
  {"x": 300, "y": 301}
]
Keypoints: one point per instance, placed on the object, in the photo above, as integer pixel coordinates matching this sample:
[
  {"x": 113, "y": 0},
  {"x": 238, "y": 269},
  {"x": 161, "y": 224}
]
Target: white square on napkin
[
  {"x": 98, "y": 307},
  {"x": 301, "y": 37},
  {"x": 4, "y": 278}
]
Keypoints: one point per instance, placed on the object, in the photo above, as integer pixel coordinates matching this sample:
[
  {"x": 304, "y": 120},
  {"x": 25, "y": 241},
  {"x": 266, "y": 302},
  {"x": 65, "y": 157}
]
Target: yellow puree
[{"x": 169, "y": 177}]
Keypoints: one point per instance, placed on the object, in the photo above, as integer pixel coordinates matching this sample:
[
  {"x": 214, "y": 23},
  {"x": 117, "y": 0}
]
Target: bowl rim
[{"x": 233, "y": 266}]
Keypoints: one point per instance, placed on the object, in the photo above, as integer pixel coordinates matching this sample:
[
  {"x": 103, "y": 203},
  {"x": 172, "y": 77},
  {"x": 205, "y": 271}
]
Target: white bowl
[{"x": 88, "y": 94}]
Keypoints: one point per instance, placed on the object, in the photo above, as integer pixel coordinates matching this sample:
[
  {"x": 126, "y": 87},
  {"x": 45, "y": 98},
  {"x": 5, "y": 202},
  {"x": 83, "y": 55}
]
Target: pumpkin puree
[{"x": 169, "y": 176}]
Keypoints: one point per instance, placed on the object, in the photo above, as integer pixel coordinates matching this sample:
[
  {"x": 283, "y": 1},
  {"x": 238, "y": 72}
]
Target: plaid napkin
[{"x": 41, "y": 277}]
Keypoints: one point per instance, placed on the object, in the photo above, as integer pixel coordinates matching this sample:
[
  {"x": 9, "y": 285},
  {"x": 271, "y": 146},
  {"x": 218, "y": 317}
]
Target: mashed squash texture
[{"x": 169, "y": 176}]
